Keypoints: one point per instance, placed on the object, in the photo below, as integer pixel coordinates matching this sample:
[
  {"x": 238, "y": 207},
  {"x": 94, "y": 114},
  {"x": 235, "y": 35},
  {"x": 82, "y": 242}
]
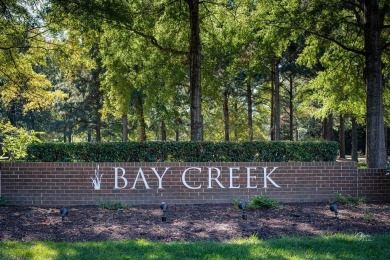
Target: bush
[
  {"x": 14, "y": 141},
  {"x": 3, "y": 201},
  {"x": 113, "y": 205},
  {"x": 262, "y": 202},
  {"x": 183, "y": 152},
  {"x": 350, "y": 199}
]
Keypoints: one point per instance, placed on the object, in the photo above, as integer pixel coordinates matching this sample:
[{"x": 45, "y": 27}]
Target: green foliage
[
  {"x": 262, "y": 202},
  {"x": 350, "y": 199},
  {"x": 14, "y": 141},
  {"x": 368, "y": 215},
  {"x": 113, "y": 205},
  {"x": 184, "y": 152},
  {"x": 3, "y": 201}
]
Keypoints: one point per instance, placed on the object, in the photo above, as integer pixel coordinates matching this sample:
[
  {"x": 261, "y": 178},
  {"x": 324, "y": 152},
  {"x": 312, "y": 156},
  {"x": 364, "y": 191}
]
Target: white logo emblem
[{"x": 98, "y": 179}]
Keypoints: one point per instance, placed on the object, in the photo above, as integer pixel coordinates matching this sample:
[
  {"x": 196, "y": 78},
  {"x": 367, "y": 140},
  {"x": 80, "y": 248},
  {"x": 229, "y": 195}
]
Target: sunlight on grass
[{"x": 354, "y": 246}]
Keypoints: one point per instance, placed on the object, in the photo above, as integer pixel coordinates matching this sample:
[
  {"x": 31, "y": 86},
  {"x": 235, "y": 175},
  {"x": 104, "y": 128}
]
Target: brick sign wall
[{"x": 69, "y": 184}]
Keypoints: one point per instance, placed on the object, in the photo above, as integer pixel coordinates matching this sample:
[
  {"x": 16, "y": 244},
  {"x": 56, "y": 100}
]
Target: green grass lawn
[{"x": 326, "y": 247}]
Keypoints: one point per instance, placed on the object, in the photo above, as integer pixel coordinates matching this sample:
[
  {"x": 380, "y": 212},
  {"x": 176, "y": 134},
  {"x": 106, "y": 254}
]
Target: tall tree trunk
[
  {"x": 291, "y": 109},
  {"x": 375, "y": 137},
  {"x": 342, "y": 137},
  {"x": 226, "y": 115},
  {"x": 124, "y": 129},
  {"x": 328, "y": 128},
  {"x": 141, "y": 119},
  {"x": 163, "y": 131},
  {"x": 249, "y": 99},
  {"x": 354, "y": 145},
  {"x": 69, "y": 133},
  {"x": 98, "y": 127},
  {"x": 64, "y": 132},
  {"x": 177, "y": 132},
  {"x": 277, "y": 101},
  {"x": 235, "y": 107},
  {"x": 99, "y": 94},
  {"x": 89, "y": 136},
  {"x": 272, "y": 127},
  {"x": 195, "y": 78}
]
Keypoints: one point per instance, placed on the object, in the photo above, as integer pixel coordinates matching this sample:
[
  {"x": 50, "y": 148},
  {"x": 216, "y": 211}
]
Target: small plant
[
  {"x": 113, "y": 205},
  {"x": 262, "y": 202},
  {"x": 3, "y": 201},
  {"x": 367, "y": 215},
  {"x": 350, "y": 199}
]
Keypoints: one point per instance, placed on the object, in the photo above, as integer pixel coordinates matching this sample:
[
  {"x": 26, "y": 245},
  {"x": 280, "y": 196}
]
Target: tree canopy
[{"x": 114, "y": 70}]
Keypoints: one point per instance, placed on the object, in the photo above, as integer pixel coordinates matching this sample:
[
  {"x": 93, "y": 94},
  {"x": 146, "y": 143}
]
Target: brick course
[{"x": 69, "y": 184}]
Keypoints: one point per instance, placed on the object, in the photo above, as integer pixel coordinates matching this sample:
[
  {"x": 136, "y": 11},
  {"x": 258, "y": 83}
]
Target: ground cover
[
  {"x": 215, "y": 222},
  {"x": 357, "y": 246}
]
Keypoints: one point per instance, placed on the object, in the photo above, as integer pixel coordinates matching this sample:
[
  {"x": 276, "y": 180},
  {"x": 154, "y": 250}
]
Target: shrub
[
  {"x": 112, "y": 205},
  {"x": 3, "y": 201},
  {"x": 350, "y": 199},
  {"x": 262, "y": 202},
  {"x": 14, "y": 141},
  {"x": 261, "y": 151}
]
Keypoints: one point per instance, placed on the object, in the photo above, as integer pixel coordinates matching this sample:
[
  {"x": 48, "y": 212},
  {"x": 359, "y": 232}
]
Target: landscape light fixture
[
  {"x": 333, "y": 208},
  {"x": 64, "y": 212},
  {"x": 242, "y": 206},
  {"x": 164, "y": 207}
]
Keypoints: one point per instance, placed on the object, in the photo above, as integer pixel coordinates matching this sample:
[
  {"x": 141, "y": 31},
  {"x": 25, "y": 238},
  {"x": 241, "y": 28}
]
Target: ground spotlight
[
  {"x": 242, "y": 206},
  {"x": 64, "y": 212},
  {"x": 333, "y": 208},
  {"x": 164, "y": 207}
]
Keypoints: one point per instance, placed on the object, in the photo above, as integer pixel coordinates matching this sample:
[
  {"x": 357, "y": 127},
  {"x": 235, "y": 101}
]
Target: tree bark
[
  {"x": 328, "y": 128},
  {"x": 272, "y": 123},
  {"x": 98, "y": 127},
  {"x": 235, "y": 111},
  {"x": 249, "y": 99},
  {"x": 342, "y": 137},
  {"x": 89, "y": 136},
  {"x": 195, "y": 70},
  {"x": 277, "y": 101},
  {"x": 291, "y": 109},
  {"x": 163, "y": 131},
  {"x": 141, "y": 120},
  {"x": 375, "y": 137},
  {"x": 354, "y": 145},
  {"x": 226, "y": 115},
  {"x": 124, "y": 129}
]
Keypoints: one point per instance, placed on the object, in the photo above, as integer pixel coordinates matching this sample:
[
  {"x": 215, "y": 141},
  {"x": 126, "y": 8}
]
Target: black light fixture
[
  {"x": 64, "y": 212},
  {"x": 164, "y": 207},
  {"x": 333, "y": 208},
  {"x": 242, "y": 206}
]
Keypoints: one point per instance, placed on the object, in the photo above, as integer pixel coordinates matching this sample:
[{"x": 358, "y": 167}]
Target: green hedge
[{"x": 183, "y": 152}]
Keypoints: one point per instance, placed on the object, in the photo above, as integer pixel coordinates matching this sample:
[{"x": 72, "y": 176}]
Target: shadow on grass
[{"x": 356, "y": 246}]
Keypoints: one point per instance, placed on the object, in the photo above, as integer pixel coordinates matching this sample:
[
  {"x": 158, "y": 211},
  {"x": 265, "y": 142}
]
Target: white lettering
[
  {"x": 140, "y": 172},
  {"x": 249, "y": 177},
  {"x": 122, "y": 177},
  {"x": 233, "y": 177},
  {"x": 215, "y": 179},
  {"x": 183, "y": 178},
  {"x": 266, "y": 177},
  {"x": 158, "y": 176}
]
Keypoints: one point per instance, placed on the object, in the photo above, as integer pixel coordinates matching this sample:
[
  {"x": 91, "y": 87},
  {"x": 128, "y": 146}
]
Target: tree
[
  {"x": 358, "y": 27},
  {"x": 23, "y": 48}
]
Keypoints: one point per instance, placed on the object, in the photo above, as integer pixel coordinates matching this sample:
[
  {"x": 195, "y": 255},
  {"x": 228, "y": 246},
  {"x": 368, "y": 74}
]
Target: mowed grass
[{"x": 357, "y": 246}]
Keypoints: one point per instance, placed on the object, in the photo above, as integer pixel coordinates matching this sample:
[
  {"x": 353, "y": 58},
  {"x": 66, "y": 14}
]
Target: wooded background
[{"x": 112, "y": 70}]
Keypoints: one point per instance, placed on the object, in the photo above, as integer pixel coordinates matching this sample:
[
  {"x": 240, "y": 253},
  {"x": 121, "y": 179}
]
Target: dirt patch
[{"x": 218, "y": 222}]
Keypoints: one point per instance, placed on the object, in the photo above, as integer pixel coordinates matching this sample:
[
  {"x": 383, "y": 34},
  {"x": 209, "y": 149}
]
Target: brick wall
[{"x": 67, "y": 184}]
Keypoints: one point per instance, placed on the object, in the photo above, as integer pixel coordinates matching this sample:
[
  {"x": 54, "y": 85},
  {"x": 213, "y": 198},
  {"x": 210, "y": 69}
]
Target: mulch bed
[{"x": 217, "y": 222}]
